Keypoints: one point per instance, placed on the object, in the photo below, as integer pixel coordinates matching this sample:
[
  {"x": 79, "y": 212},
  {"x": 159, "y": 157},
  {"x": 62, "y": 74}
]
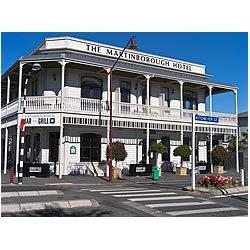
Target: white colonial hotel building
[{"x": 67, "y": 105}]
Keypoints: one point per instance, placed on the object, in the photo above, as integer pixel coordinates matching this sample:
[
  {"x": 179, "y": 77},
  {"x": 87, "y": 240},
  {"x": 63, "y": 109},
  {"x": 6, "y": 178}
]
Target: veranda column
[
  {"x": 6, "y": 128},
  {"x": 237, "y": 131},
  {"x": 211, "y": 129},
  {"x": 19, "y": 115},
  {"x": 181, "y": 107},
  {"x": 147, "y": 131},
  {"x": 61, "y": 162},
  {"x": 108, "y": 107}
]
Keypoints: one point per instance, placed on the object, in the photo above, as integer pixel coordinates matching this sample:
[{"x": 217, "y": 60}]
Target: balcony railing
[{"x": 121, "y": 109}]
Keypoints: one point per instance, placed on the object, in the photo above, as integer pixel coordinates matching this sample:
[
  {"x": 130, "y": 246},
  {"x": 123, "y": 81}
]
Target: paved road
[{"x": 132, "y": 200}]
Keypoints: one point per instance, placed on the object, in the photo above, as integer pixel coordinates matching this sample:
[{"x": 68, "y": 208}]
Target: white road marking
[
  {"x": 162, "y": 198},
  {"x": 202, "y": 211},
  {"x": 180, "y": 204},
  {"x": 134, "y": 191},
  {"x": 133, "y": 195},
  {"x": 115, "y": 189},
  {"x": 228, "y": 195}
]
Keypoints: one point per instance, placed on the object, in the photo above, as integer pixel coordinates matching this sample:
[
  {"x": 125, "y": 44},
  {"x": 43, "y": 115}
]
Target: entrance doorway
[{"x": 53, "y": 146}]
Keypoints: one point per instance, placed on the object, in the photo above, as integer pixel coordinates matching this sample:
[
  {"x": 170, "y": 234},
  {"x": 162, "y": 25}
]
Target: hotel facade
[{"x": 66, "y": 106}]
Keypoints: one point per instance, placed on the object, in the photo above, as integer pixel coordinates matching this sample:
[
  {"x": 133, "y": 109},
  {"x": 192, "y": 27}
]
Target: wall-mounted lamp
[
  {"x": 172, "y": 91},
  {"x": 54, "y": 76}
]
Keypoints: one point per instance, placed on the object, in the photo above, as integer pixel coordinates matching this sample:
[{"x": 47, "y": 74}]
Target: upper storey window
[
  {"x": 190, "y": 100},
  {"x": 125, "y": 91},
  {"x": 91, "y": 87}
]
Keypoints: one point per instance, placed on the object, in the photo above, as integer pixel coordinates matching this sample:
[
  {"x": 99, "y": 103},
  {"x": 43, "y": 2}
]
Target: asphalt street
[{"x": 157, "y": 199}]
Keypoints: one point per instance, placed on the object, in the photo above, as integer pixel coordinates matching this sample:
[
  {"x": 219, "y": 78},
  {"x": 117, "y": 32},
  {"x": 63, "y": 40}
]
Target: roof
[{"x": 243, "y": 114}]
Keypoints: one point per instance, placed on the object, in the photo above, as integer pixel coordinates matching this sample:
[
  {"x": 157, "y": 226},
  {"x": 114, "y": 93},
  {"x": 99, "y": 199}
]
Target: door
[{"x": 53, "y": 146}]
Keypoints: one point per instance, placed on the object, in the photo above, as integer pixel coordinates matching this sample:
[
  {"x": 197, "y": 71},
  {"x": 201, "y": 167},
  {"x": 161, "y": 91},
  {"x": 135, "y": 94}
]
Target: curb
[
  {"x": 30, "y": 193},
  {"x": 24, "y": 207},
  {"x": 218, "y": 191}
]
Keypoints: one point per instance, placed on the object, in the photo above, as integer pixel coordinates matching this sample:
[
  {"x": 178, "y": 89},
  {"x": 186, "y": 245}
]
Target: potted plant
[
  {"x": 183, "y": 151},
  {"x": 219, "y": 154},
  {"x": 119, "y": 153},
  {"x": 158, "y": 148}
]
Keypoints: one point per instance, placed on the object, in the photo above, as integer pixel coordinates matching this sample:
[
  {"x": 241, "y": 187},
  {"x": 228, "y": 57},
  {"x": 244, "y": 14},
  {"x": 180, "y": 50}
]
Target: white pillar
[
  {"x": 61, "y": 161},
  {"x": 108, "y": 104},
  {"x": 211, "y": 129},
  {"x": 147, "y": 104},
  {"x": 237, "y": 131},
  {"x": 181, "y": 108},
  {"x": 6, "y": 128},
  {"x": 18, "y": 116},
  {"x": 193, "y": 151}
]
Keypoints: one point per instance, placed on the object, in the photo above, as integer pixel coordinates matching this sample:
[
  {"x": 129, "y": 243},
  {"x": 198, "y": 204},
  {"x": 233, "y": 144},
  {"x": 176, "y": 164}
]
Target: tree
[
  {"x": 242, "y": 144},
  {"x": 158, "y": 148},
  {"x": 119, "y": 152},
  {"x": 219, "y": 154},
  {"x": 182, "y": 151}
]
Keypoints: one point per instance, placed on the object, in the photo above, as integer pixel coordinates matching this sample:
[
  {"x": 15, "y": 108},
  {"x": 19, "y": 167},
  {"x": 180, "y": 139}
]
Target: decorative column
[
  {"x": 147, "y": 104},
  {"x": 108, "y": 107},
  {"x": 6, "y": 128},
  {"x": 181, "y": 108},
  {"x": 61, "y": 158},
  {"x": 19, "y": 116},
  {"x": 237, "y": 131},
  {"x": 211, "y": 129}
]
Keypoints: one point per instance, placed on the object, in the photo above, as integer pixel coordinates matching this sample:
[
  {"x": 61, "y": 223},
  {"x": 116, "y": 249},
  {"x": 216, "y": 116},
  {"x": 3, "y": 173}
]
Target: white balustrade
[{"x": 93, "y": 106}]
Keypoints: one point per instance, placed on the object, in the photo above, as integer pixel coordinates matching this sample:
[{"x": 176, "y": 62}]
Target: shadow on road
[{"x": 58, "y": 212}]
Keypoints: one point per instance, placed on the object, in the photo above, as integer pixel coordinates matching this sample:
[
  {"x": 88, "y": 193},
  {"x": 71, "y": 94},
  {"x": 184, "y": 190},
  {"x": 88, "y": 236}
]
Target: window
[
  {"x": 90, "y": 147},
  {"x": 166, "y": 142},
  {"x": 36, "y": 150},
  {"x": 125, "y": 91},
  {"x": 190, "y": 100},
  {"x": 91, "y": 87},
  {"x": 27, "y": 149},
  {"x": 144, "y": 94},
  {"x": 165, "y": 97}
]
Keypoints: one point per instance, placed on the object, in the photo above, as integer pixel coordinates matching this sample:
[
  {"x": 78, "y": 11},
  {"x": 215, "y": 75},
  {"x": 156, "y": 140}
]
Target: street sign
[{"x": 203, "y": 118}]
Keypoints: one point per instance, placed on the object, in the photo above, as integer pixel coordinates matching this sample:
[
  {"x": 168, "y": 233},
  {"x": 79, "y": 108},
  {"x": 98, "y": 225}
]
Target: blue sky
[{"x": 225, "y": 54}]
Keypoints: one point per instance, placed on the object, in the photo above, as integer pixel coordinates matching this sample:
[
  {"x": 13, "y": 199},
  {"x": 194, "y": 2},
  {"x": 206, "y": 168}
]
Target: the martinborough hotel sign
[{"x": 107, "y": 51}]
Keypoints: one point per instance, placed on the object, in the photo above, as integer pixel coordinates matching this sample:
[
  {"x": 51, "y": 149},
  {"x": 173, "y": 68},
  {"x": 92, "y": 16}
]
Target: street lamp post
[
  {"x": 35, "y": 67},
  {"x": 132, "y": 47}
]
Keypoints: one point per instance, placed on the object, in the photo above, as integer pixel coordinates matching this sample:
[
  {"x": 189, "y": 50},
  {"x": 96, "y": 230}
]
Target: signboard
[
  {"x": 206, "y": 118},
  {"x": 36, "y": 169},
  {"x": 140, "y": 169},
  {"x": 108, "y": 51},
  {"x": 42, "y": 120},
  {"x": 73, "y": 150}
]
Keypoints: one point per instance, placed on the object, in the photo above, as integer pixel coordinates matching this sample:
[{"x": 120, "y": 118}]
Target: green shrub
[
  {"x": 183, "y": 151},
  {"x": 219, "y": 154},
  {"x": 119, "y": 152}
]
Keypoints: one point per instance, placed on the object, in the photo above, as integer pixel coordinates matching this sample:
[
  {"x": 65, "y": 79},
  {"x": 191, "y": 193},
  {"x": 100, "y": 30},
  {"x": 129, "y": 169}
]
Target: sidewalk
[{"x": 91, "y": 180}]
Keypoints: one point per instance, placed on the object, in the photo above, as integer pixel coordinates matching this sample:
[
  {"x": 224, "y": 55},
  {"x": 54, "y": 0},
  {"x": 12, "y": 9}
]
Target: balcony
[{"x": 40, "y": 104}]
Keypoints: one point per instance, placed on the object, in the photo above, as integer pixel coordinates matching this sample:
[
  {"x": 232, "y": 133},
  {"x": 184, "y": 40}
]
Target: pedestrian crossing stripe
[
  {"x": 162, "y": 198},
  {"x": 180, "y": 204},
  {"x": 115, "y": 189},
  {"x": 147, "y": 194},
  {"x": 131, "y": 191},
  {"x": 203, "y": 211}
]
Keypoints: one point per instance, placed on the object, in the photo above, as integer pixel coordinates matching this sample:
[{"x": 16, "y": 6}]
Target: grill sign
[{"x": 42, "y": 120}]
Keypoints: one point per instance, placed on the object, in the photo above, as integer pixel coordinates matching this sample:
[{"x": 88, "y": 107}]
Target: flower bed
[{"x": 218, "y": 182}]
